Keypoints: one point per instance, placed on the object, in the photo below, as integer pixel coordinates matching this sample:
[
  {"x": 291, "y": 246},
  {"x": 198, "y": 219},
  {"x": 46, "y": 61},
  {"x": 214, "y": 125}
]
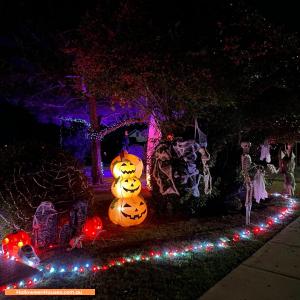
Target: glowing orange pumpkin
[
  {"x": 124, "y": 169},
  {"x": 92, "y": 227},
  {"x": 126, "y": 187},
  {"x": 128, "y": 211},
  {"x": 12, "y": 242},
  {"x": 132, "y": 158}
]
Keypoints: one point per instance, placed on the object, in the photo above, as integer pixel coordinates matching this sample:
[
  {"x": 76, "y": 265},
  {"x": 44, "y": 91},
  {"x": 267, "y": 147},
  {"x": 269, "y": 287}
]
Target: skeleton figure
[
  {"x": 248, "y": 179},
  {"x": 205, "y": 157}
]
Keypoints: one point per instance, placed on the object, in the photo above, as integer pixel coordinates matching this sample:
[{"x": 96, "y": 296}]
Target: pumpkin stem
[{"x": 122, "y": 155}]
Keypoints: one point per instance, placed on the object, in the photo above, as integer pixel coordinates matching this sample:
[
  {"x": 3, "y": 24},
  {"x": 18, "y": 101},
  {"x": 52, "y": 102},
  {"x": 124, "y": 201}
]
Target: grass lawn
[{"x": 187, "y": 277}]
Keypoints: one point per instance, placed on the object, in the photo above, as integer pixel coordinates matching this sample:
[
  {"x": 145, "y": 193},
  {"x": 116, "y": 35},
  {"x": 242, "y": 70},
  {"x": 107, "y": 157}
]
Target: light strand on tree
[{"x": 75, "y": 120}]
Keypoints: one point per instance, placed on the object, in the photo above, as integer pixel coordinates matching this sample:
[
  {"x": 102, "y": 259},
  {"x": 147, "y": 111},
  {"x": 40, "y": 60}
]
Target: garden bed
[{"x": 185, "y": 277}]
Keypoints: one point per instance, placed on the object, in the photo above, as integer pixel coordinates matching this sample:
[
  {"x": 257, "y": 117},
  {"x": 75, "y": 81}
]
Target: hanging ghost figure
[
  {"x": 190, "y": 177},
  {"x": 162, "y": 170},
  {"x": 45, "y": 225},
  {"x": 265, "y": 152}
]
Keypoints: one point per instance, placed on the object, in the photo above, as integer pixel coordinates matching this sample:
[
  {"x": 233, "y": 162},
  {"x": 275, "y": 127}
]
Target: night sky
[{"x": 56, "y": 16}]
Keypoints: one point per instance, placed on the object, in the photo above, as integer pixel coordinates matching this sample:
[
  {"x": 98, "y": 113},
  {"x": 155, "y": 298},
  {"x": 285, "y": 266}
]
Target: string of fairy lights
[
  {"x": 50, "y": 270},
  {"x": 98, "y": 135}
]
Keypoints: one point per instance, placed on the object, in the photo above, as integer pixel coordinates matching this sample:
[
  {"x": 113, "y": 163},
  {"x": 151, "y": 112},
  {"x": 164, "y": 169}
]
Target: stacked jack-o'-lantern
[{"x": 128, "y": 209}]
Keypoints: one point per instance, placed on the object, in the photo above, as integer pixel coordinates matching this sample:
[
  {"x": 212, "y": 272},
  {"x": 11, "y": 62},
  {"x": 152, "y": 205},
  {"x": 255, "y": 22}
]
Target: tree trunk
[{"x": 97, "y": 176}]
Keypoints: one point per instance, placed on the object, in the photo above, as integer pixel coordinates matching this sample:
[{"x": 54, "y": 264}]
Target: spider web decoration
[
  {"x": 190, "y": 176},
  {"x": 163, "y": 171}
]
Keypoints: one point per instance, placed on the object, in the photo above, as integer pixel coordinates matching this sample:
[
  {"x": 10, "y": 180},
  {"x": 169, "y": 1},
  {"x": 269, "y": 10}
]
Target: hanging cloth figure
[
  {"x": 265, "y": 152},
  {"x": 287, "y": 167},
  {"x": 205, "y": 157},
  {"x": 248, "y": 180},
  {"x": 259, "y": 186}
]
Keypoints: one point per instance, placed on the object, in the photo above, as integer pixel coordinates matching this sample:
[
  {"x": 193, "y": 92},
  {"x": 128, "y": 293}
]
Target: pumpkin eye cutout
[
  {"x": 123, "y": 165},
  {"x": 142, "y": 203},
  {"x": 127, "y": 205},
  {"x": 126, "y": 180}
]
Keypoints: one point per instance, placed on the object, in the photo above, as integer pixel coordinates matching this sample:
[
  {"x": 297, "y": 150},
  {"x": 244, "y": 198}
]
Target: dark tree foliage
[
  {"x": 223, "y": 63},
  {"x": 31, "y": 174}
]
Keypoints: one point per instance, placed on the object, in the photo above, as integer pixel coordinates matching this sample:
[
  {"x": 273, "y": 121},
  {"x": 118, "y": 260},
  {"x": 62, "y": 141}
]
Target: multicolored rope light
[{"x": 50, "y": 270}]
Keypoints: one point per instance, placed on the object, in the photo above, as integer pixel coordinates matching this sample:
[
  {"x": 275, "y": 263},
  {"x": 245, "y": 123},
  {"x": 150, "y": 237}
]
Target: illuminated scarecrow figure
[{"x": 246, "y": 164}]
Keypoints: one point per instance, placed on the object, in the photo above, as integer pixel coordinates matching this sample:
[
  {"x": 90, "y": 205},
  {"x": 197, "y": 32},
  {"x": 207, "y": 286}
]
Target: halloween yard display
[
  {"x": 45, "y": 225},
  {"x": 128, "y": 209}
]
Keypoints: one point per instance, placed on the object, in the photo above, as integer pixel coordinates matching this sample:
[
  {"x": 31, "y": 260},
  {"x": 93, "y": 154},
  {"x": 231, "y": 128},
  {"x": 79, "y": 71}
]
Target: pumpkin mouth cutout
[
  {"x": 138, "y": 216},
  {"x": 131, "y": 191},
  {"x": 128, "y": 172}
]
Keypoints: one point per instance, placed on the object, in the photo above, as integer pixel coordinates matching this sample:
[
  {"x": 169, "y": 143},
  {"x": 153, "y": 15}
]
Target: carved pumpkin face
[
  {"x": 128, "y": 212},
  {"x": 92, "y": 227},
  {"x": 133, "y": 159},
  {"x": 124, "y": 169},
  {"x": 14, "y": 241},
  {"x": 126, "y": 187}
]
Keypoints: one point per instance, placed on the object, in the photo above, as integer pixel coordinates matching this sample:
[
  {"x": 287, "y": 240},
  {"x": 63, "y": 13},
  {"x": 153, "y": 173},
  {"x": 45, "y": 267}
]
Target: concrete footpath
[{"x": 272, "y": 273}]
